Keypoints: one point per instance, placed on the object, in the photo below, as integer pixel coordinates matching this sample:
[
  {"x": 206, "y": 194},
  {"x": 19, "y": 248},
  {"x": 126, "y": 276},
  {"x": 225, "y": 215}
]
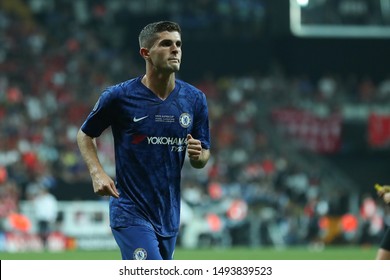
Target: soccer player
[
  {"x": 155, "y": 120},
  {"x": 384, "y": 249}
]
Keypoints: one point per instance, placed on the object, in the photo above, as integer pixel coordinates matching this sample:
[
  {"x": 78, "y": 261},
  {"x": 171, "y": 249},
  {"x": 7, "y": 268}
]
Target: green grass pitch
[{"x": 295, "y": 253}]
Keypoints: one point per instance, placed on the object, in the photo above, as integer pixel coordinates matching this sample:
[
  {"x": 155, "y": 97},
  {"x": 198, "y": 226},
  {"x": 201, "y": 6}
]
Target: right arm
[{"x": 102, "y": 183}]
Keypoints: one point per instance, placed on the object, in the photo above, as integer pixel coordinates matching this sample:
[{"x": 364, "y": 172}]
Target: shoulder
[
  {"x": 119, "y": 90},
  {"x": 124, "y": 86},
  {"x": 188, "y": 88}
]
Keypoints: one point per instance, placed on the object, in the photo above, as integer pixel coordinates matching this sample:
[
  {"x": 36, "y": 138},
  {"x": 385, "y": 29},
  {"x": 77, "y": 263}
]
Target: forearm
[
  {"x": 88, "y": 150},
  {"x": 202, "y": 161},
  {"x": 103, "y": 185}
]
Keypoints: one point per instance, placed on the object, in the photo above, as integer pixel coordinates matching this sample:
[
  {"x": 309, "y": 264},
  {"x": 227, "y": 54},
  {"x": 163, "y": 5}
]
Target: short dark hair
[{"x": 148, "y": 34}]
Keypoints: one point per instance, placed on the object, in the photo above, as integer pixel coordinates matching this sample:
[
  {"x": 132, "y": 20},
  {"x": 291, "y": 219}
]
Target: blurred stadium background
[{"x": 298, "y": 96}]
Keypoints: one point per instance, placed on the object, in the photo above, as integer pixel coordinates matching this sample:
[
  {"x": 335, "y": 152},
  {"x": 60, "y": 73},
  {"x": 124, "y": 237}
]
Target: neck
[{"x": 160, "y": 84}]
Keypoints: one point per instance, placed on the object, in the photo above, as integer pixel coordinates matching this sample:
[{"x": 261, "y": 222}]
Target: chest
[{"x": 171, "y": 118}]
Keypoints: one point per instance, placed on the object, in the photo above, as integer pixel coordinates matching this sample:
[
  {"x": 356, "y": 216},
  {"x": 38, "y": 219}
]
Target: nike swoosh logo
[{"x": 135, "y": 119}]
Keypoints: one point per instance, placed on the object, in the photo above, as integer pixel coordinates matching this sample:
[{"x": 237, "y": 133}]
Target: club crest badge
[
  {"x": 185, "y": 120},
  {"x": 140, "y": 254}
]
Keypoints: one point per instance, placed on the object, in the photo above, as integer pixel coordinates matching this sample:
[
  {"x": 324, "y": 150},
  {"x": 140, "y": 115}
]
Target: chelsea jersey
[{"x": 150, "y": 139}]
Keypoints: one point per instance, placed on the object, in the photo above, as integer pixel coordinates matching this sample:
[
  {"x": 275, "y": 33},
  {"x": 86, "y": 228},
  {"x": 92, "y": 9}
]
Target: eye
[{"x": 166, "y": 43}]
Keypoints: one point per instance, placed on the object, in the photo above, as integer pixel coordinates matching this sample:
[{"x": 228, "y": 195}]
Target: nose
[{"x": 175, "y": 49}]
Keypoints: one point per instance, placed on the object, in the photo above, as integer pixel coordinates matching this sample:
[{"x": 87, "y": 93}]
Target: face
[{"x": 165, "y": 54}]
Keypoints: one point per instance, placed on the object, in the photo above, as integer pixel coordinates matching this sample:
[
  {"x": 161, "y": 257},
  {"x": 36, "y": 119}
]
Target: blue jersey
[{"x": 150, "y": 147}]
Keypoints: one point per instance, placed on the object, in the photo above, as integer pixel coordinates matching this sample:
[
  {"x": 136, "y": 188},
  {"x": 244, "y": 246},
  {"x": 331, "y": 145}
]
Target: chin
[{"x": 175, "y": 69}]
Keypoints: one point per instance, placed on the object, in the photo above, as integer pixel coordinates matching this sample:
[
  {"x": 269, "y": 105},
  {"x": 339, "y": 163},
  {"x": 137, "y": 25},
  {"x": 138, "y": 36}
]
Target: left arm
[{"x": 197, "y": 155}]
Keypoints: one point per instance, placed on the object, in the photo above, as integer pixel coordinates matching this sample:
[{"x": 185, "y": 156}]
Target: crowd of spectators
[{"x": 55, "y": 61}]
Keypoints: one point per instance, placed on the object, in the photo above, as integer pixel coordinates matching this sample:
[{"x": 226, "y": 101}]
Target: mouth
[{"x": 174, "y": 60}]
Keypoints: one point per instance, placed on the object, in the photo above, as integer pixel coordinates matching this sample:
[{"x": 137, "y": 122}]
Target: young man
[
  {"x": 155, "y": 120},
  {"x": 384, "y": 249}
]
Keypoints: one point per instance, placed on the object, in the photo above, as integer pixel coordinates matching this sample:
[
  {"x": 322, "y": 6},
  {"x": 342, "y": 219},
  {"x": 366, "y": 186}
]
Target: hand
[
  {"x": 103, "y": 185},
  {"x": 194, "y": 148}
]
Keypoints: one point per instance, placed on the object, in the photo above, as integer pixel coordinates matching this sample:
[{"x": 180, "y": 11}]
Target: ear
[{"x": 144, "y": 53}]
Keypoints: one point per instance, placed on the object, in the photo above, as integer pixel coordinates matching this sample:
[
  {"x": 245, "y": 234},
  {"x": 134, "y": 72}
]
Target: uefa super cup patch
[
  {"x": 140, "y": 254},
  {"x": 164, "y": 118},
  {"x": 185, "y": 120}
]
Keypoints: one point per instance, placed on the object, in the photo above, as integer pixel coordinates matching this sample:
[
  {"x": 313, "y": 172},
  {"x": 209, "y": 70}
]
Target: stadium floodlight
[
  {"x": 345, "y": 19},
  {"x": 303, "y": 3}
]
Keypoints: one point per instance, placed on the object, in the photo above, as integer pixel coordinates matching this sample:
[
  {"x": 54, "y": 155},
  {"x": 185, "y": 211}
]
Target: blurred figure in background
[
  {"x": 384, "y": 249},
  {"x": 45, "y": 210}
]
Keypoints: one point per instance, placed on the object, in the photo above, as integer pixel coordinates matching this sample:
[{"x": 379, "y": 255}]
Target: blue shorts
[{"x": 140, "y": 242}]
